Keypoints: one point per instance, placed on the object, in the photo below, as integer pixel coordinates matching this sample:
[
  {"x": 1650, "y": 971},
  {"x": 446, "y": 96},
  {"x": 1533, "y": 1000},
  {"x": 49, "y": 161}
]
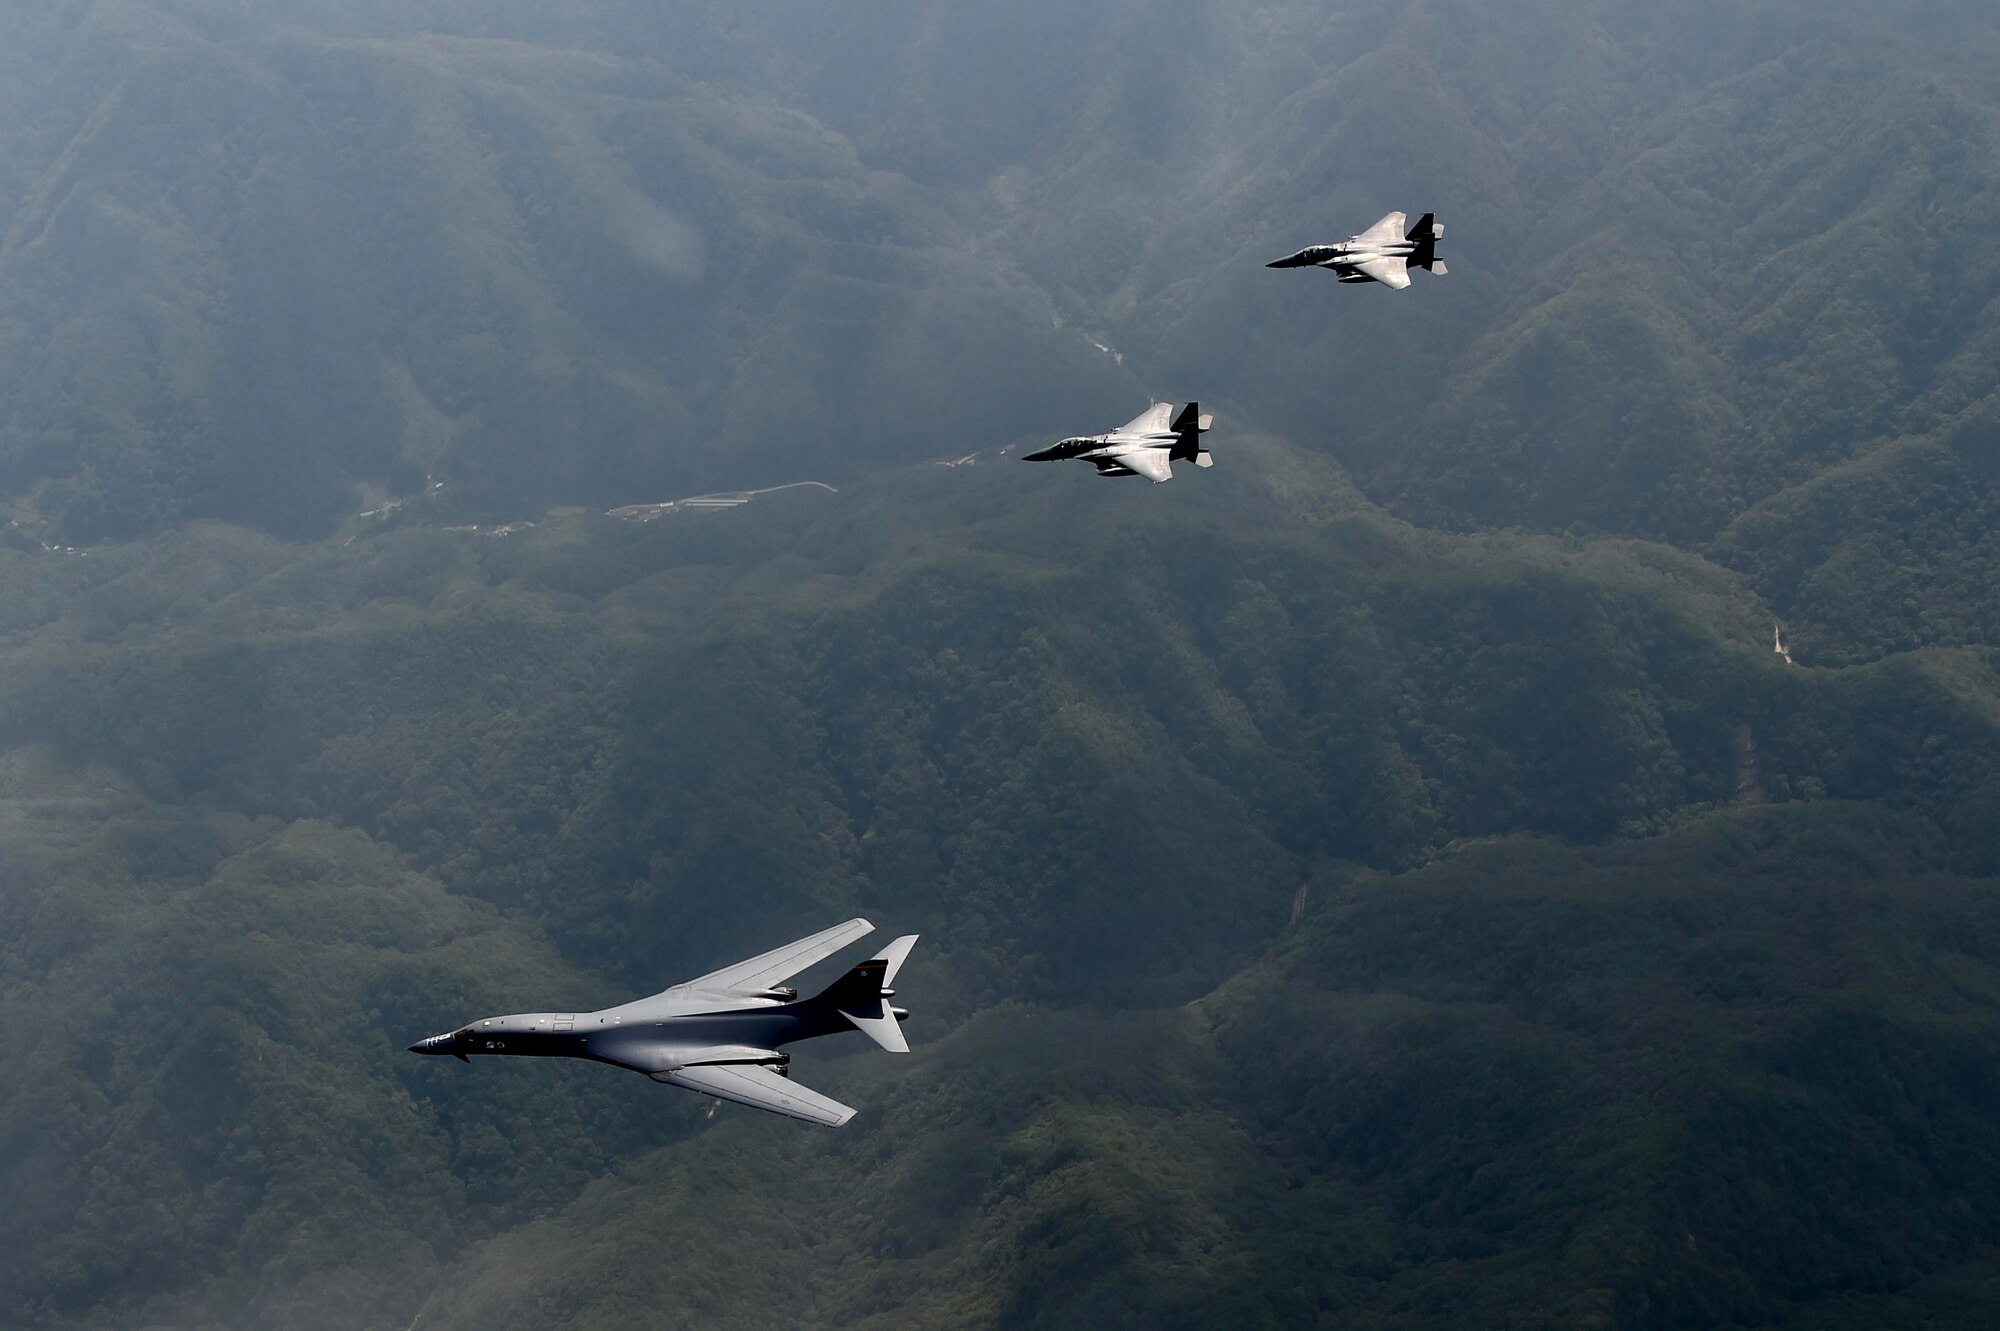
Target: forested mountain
[
  {"x": 276, "y": 809},
  {"x": 590, "y": 247},
  {"x": 251, "y": 263},
  {"x": 1386, "y": 880},
  {"x": 1524, "y": 1087}
]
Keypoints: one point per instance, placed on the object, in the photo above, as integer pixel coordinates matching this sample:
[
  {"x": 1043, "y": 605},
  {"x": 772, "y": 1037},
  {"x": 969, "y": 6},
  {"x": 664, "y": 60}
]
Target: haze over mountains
[{"x": 1384, "y": 880}]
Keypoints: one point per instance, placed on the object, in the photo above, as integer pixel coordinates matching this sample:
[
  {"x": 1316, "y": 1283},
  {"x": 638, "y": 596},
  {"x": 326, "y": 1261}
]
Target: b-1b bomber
[
  {"x": 719, "y": 1035},
  {"x": 1383, "y": 253}
]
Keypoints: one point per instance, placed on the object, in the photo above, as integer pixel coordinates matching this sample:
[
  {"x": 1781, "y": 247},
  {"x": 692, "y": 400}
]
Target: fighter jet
[
  {"x": 1383, "y": 253},
  {"x": 719, "y": 1035},
  {"x": 1145, "y": 446}
]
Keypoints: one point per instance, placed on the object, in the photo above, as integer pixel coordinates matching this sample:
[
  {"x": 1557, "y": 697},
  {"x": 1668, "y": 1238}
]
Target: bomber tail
[
  {"x": 862, "y": 996},
  {"x": 1188, "y": 428},
  {"x": 1425, "y": 235}
]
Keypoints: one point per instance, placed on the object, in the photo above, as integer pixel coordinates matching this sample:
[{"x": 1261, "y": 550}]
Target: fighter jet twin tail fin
[
  {"x": 1188, "y": 427},
  {"x": 1425, "y": 235}
]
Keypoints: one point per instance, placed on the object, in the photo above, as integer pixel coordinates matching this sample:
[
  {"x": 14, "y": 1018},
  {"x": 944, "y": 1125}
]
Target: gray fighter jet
[
  {"x": 1146, "y": 446},
  {"x": 1383, "y": 253},
  {"x": 719, "y": 1035}
]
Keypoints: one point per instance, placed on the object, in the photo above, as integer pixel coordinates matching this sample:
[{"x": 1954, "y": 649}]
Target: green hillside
[
  {"x": 1731, "y": 248},
  {"x": 1709, "y": 1079},
  {"x": 297, "y": 805},
  {"x": 254, "y": 265}
]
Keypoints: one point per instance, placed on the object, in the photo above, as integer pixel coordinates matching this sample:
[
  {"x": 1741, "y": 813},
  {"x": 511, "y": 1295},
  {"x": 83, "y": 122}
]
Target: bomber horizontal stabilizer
[{"x": 881, "y": 1026}]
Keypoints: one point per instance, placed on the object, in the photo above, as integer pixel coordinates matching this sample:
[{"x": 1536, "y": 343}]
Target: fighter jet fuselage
[
  {"x": 720, "y": 1035},
  {"x": 1383, "y": 253}
]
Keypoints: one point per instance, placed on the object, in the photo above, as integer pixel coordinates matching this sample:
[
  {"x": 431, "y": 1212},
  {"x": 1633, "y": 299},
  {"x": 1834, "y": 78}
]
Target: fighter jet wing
[
  {"x": 1389, "y": 272},
  {"x": 760, "y": 1088},
  {"x": 1148, "y": 462},
  {"x": 1389, "y": 228},
  {"x": 1153, "y": 420},
  {"x": 781, "y": 963}
]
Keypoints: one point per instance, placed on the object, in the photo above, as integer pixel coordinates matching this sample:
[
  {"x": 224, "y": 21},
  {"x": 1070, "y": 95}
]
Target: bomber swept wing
[
  {"x": 760, "y": 1088},
  {"x": 780, "y": 963}
]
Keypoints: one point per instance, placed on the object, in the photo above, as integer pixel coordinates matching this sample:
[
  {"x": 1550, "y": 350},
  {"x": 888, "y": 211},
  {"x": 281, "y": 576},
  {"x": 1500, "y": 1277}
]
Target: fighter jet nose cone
[{"x": 417, "y": 1048}]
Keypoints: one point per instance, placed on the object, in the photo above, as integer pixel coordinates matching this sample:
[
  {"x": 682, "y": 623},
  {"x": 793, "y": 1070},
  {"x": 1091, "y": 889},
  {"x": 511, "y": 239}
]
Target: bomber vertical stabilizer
[{"x": 862, "y": 996}]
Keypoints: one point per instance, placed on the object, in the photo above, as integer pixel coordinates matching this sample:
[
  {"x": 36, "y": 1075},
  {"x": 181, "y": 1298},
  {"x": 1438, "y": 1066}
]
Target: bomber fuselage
[{"x": 627, "y": 1034}]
